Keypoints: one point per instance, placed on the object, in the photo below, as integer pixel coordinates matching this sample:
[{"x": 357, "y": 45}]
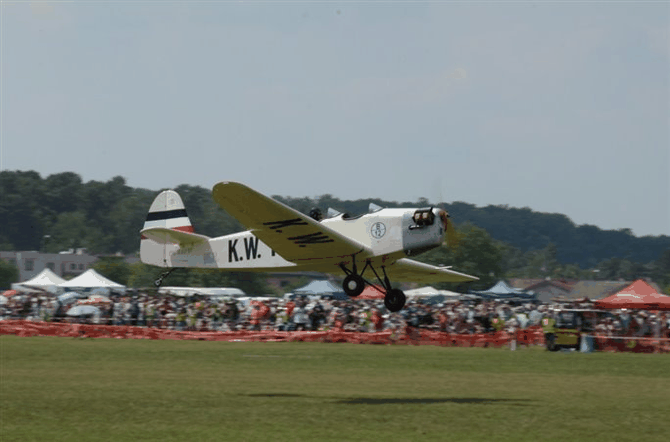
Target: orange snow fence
[
  {"x": 632, "y": 344},
  {"x": 410, "y": 336},
  {"x": 413, "y": 336}
]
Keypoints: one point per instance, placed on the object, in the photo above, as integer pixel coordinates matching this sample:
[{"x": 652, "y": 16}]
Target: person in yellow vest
[
  {"x": 367, "y": 320},
  {"x": 180, "y": 319},
  {"x": 192, "y": 318},
  {"x": 548, "y": 324},
  {"x": 150, "y": 313},
  {"x": 498, "y": 323}
]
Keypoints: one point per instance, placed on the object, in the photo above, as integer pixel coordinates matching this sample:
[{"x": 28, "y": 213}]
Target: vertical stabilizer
[{"x": 166, "y": 211}]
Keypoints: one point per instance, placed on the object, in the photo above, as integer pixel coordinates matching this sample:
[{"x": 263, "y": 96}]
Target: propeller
[{"x": 452, "y": 234}]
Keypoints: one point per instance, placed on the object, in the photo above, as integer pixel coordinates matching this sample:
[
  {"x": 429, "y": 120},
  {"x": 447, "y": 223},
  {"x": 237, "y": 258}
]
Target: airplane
[{"x": 282, "y": 239}]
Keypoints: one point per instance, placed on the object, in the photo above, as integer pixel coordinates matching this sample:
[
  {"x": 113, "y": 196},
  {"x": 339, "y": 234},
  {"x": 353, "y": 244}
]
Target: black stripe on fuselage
[{"x": 167, "y": 214}]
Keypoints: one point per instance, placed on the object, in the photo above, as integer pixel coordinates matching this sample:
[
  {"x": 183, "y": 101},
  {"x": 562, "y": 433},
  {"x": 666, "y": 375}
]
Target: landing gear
[
  {"x": 354, "y": 283},
  {"x": 394, "y": 300}
]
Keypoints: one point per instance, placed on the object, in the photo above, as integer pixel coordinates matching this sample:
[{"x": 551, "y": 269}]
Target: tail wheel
[
  {"x": 394, "y": 300},
  {"x": 353, "y": 285}
]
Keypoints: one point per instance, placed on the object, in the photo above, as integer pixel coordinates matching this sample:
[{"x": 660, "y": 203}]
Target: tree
[
  {"x": 8, "y": 274},
  {"x": 63, "y": 192},
  {"x": 661, "y": 270},
  {"x": 127, "y": 219},
  {"x": 571, "y": 271},
  {"x": 115, "y": 268},
  {"x": 143, "y": 275},
  {"x": 22, "y": 215},
  {"x": 476, "y": 254},
  {"x": 537, "y": 264},
  {"x": 512, "y": 258},
  {"x": 73, "y": 230}
]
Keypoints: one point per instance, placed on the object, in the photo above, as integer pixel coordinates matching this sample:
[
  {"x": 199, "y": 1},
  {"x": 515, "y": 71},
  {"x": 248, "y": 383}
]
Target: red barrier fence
[
  {"x": 632, "y": 344},
  {"x": 413, "y": 336}
]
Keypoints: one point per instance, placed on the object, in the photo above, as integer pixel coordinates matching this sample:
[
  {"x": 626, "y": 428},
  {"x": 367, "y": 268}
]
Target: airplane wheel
[
  {"x": 394, "y": 300},
  {"x": 353, "y": 285}
]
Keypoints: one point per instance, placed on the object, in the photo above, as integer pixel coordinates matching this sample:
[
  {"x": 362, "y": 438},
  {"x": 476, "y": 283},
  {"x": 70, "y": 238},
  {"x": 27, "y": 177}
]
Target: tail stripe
[
  {"x": 170, "y": 223},
  {"x": 167, "y": 214}
]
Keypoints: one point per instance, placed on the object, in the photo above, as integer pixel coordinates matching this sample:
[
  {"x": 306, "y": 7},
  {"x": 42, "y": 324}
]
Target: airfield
[{"x": 64, "y": 389}]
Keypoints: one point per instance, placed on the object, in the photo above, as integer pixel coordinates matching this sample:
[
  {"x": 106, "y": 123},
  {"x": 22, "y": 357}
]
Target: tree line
[{"x": 61, "y": 212}]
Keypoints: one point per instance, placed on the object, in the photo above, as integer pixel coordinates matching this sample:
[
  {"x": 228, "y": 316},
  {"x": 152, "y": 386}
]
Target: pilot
[{"x": 316, "y": 214}]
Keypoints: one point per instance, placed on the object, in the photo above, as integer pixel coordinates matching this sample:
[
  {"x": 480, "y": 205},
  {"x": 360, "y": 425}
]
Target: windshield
[{"x": 568, "y": 320}]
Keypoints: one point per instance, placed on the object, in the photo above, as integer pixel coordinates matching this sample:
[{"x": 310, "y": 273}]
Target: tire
[
  {"x": 394, "y": 300},
  {"x": 353, "y": 285}
]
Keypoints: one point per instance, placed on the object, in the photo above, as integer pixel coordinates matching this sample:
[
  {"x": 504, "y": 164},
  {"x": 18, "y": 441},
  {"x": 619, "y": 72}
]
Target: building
[
  {"x": 544, "y": 289},
  {"x": 65, "y": 264},
  {"x": 548, "y": 290}
]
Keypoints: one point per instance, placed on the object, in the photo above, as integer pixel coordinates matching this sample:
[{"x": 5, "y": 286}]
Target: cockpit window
[{"x": 332, "y": 213}]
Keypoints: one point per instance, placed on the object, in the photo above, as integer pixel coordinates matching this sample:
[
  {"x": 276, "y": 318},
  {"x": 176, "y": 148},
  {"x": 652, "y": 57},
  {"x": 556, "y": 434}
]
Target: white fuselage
[{"x": 389, "y": 234}]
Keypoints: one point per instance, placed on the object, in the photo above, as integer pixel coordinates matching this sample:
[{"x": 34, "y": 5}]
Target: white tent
[
  {"x": 320, "y": 288},
  {"x": 422, "y": 292},
  {"x": 430, "y": 295},
  {"x": 450, "y": 294},
  {"x": 91, "y": 279},
  {"x": 45, "y": 280},
  {"x": 205, "y": 291}
]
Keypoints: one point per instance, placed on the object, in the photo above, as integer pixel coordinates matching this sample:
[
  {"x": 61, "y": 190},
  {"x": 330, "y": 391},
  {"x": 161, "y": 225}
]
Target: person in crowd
[
  {"x": 198, "y": 313},
  {"x": 300, "y": 318}
]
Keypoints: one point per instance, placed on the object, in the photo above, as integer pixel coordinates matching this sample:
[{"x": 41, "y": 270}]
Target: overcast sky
[{"x": 557, "y": 106}]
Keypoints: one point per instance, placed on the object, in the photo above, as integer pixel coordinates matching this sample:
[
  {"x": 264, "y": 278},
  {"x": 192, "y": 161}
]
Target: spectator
[{"x": 300, "y": 318}]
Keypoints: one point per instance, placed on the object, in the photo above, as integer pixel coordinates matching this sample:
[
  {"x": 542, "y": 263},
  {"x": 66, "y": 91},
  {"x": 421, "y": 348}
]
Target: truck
[{"x": 566, "y": 328}]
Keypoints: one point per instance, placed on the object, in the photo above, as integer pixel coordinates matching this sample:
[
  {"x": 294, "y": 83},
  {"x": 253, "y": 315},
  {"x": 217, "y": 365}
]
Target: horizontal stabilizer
[{"x": 164, "y": 235}]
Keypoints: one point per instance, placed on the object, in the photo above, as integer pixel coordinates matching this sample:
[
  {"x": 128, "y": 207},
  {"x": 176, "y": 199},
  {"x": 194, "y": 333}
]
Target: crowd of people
[{"x": 197, "y": 313}]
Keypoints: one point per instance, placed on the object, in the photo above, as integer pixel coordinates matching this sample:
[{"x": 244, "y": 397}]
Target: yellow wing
[
  {"x": 408, "y": 270},
  {"x": 293, "y": 235}
]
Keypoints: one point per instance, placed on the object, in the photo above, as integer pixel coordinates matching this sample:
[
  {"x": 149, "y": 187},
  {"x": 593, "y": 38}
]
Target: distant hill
[
  {"x": 525, "y": 229},
  {"x": 585, "y": 245},
  {"x": 60, "y": 212}
]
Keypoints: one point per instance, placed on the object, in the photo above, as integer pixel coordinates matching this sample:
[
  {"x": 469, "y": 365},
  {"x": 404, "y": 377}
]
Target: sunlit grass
[{"x": 105, "y": 389}]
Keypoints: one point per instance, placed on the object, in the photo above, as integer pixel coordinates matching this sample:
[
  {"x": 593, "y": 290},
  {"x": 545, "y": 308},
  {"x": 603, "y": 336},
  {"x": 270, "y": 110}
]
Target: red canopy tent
[
  {"x": 637, "y": 296},
  {"x": 371, "y": 292}
]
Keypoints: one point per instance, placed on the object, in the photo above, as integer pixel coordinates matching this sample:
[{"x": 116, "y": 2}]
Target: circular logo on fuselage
[{"x": 378, "y": 230}]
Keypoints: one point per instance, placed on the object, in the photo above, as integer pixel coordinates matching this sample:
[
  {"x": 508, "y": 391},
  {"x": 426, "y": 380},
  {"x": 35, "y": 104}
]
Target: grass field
[{"x": 70, "y": 389}]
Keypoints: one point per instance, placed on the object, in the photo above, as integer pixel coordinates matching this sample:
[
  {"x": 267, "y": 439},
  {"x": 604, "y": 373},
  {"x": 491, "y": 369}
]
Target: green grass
[{"x": 74, "y": 389}]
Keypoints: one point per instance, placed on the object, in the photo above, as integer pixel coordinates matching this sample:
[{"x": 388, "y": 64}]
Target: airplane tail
[
  {"x": 168, "y": 211},
  {"x": 160, "y": 240}
]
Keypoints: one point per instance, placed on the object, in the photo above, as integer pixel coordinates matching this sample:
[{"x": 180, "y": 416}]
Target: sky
[{"x": 563, "y": 107}]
